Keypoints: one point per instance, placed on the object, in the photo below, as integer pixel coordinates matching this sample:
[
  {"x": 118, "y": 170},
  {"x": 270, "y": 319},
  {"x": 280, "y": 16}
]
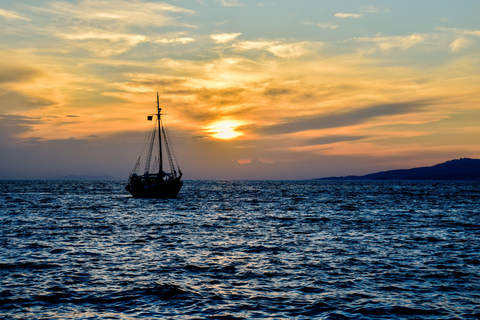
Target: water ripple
[{"x": 241, "y": 250}]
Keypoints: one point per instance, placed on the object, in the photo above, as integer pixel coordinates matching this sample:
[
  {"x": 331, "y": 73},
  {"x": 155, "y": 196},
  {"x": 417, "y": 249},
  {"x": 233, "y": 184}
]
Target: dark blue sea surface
[{"x": 241, "y": 250}]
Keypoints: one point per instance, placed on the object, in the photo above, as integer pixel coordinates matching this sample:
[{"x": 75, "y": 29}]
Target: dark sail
[{"x": 157, "y": 184}]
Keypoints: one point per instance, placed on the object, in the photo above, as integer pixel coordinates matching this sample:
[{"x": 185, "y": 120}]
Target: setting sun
[{"x": 225, "y": 129}]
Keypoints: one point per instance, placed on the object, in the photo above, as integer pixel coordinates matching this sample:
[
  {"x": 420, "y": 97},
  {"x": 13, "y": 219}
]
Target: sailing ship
[{"x": 159, "y": 184}]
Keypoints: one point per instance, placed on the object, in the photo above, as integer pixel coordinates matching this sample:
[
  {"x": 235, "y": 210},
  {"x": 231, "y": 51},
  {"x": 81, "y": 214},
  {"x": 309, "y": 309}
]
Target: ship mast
[{"x": 160, "y": 161}]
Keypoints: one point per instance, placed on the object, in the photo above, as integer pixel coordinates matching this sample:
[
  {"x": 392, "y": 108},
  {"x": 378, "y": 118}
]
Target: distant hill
[
  {"x": 458, "y": 169},
  {"x": 82, "y": 177}
]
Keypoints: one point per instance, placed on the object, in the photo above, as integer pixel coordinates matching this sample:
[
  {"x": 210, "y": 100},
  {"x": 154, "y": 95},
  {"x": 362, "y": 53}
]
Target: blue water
[{"x": 240, "y": 250}]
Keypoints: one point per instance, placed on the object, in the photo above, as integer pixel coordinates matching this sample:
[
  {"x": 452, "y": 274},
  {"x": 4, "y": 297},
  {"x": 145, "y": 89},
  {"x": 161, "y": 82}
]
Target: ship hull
[{"x": 140, "y": 188}]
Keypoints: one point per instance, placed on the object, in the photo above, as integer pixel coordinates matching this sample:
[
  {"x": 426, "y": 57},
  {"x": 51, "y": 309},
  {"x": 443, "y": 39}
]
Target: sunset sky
[{"x": 264, "y": 89}]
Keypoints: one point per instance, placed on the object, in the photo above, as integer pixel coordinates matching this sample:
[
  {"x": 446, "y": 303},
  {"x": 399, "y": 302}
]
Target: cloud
[
  {"x": 329, "y": 139},
  {"x": 279, "y": 49},
  {"x": 224, "y": 37},
  {"x": 11, "y": 15},
  {"x": 230, "y": 3},
  {"x": 292, "y": 50},
  {"x": 15, "y": 73},
  {"x": 327, "y": 25},
  {"x": 131, "y": 13},
  {"x": 459, "y": 44},
  {"x": 322, "y": 25},
  {"x": 274, "y": 92},
  {"x": 11, "y": 101},
  {"x": 254, "y": 45},
  {"x": 221, "y": 22},
  {"x": 18, "y": 85},
  {"x": 464, "y": 38},
  {"x": 390, "y": 42},
  {"x": 343, "y": 119},
  {"x": 459, "y": 39},
  {"x": 183, "y": 40},
  {"x": 348, "y": 15},
  {"x": 37, "y": 158},
  {"x": 129, "y": 39},
  {"x": 107, "y": 27},
  {"x": 105, "y": 43},
  {"x": 11, "y": 125},
  {"x": 473, "y": 32}
]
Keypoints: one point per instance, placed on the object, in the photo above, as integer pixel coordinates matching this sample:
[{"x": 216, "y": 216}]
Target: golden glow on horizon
[{"x": 225, "y": 129}]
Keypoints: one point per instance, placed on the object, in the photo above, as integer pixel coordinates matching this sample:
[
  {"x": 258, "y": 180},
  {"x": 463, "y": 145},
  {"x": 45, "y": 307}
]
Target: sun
[{"x": 225, "y": 129}]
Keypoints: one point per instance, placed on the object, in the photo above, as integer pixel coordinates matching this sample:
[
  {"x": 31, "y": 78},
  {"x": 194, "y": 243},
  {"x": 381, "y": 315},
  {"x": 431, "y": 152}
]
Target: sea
[{"x": 241, "y": 250}]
